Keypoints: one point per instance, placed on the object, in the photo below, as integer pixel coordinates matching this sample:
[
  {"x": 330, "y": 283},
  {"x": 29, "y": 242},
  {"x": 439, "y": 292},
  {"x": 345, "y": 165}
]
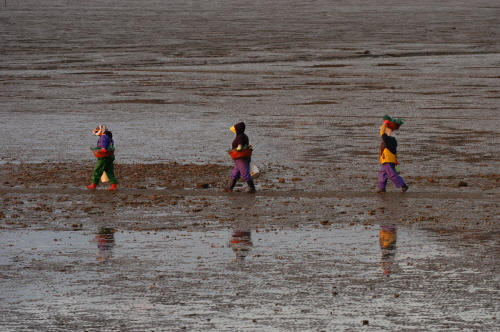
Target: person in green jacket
[{"x": 104, "y": 164}]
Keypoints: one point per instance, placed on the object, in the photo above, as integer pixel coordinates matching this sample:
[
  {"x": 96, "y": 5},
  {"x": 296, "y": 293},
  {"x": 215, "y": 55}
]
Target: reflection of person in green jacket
[
  {"x": 105, "y": 164},
  {"x": 105, "y": 242}
]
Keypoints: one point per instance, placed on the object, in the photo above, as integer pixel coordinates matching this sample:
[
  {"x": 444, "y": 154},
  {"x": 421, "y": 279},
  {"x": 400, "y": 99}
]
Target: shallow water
[{"x": 331, "y": 278}]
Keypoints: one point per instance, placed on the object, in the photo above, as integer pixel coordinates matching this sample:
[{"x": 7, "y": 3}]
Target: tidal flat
[{"x": 315, "y": 249}]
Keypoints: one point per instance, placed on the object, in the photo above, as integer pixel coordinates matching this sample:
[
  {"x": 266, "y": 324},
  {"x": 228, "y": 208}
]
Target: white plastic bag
[
  {"x": 254, "y": 171},
  {"x": 104, "y": 177}
]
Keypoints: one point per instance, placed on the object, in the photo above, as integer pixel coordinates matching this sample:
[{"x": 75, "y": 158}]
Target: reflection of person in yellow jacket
[
  {"x": 241, "y": 242},
  {"x": 105, "y": 242},
  {"x": 388, "y": 158},
  {"x": 387, "y": 240}
]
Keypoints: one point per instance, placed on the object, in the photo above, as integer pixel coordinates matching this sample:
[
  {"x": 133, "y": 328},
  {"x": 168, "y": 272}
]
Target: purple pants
[
  {"x": 241, "y": 169},
  {"x": 388, "y": 171}
]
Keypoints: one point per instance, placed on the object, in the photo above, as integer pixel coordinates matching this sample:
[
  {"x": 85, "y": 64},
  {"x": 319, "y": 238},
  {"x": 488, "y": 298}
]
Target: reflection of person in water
[
  {"x": 241, "y": 242},
  {"x": 387, "y": 240},
  {"x": 105, "y": 239}
]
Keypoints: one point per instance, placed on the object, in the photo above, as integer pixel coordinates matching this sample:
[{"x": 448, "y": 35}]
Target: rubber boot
[
  {"x": 113, "y": 187},
  {"x": 251, "y": 186},
  {"x": 92, "y": 186},
  {"x": 229, "y": 188}
]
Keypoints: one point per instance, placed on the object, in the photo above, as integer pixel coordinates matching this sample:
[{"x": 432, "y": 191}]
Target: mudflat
[{"x": 315, "y": 249}]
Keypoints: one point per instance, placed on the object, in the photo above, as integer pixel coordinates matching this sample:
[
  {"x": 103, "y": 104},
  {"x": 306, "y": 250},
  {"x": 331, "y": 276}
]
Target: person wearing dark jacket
[
  {"x": 388, "y": 160},
  {"x": 241, "y": 166}
]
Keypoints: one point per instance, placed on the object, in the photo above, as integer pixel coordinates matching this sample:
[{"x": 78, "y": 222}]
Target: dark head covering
[
  {"x": 241, "y": 137},
  {"x": 240, "y": 128}
]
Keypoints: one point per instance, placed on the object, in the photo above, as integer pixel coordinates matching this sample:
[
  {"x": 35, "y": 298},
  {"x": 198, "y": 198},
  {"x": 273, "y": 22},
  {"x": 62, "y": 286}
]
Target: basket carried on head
[
  {"x": 241, "y": 154},
  {"x": 98, "y": 154},
  {"x": 392, "y": 123}
]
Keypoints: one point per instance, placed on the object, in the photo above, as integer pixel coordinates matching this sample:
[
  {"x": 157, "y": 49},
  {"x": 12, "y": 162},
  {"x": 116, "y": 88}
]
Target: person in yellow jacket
[{"x": 388, "y": 159}]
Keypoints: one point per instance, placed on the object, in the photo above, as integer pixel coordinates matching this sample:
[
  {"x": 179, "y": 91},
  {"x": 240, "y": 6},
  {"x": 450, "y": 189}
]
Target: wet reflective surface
[
  {"x": 332, "y": 278},
  {"x": 315, "y": 249}
]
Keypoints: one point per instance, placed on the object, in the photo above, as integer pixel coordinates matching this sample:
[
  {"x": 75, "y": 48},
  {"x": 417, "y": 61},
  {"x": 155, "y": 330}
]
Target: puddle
[{"x": 335, "y": 278}]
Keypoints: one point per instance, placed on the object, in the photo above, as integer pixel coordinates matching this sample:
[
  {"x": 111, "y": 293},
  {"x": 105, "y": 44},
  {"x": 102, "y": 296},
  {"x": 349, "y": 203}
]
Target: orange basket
[
  {"x": 99, "y": 154},
  {"x": 242, "y": 154}
]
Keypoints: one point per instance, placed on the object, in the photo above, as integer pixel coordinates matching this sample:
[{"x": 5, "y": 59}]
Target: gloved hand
[
  {"x": 102, "y": 150},
  {"x": 382, "y": 129}
]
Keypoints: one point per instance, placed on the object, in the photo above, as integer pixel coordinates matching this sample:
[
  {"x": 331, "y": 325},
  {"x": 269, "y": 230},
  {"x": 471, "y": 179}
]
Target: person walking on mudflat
[
  {"x": 105, "y": 158},
  {"x": 241, "y": 152},
  {"x": 388, "y": 156}
]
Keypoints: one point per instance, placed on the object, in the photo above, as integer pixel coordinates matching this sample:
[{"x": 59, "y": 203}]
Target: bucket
[
  {"x": 254, "y": 171},
  {"x": 104, "y": 177}
]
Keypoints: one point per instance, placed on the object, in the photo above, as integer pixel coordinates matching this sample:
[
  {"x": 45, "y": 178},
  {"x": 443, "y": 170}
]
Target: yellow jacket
[
  {"x": 387, "y": 156},
  {"x": 388, "y": 149}
]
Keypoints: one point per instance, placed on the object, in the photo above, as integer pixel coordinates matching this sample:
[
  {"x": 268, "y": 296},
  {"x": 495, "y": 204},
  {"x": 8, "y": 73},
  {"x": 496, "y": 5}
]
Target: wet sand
[{"x": 315, "y": 249}]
